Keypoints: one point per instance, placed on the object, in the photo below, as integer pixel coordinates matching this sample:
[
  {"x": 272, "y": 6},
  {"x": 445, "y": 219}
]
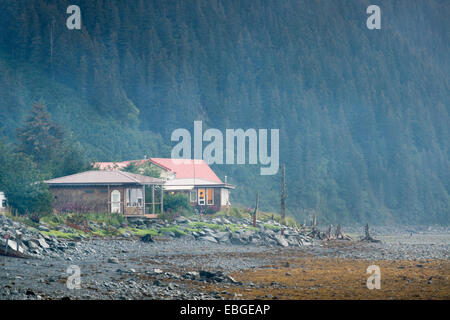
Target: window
[
  {"x": 134, "y": 197},
  {"x": 193, "y": 196},
  {"x": 210, "y": 196},
  {"x": 201, "y": 197}
]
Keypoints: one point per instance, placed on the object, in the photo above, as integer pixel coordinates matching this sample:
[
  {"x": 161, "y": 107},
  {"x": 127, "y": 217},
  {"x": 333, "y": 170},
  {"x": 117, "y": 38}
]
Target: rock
[
  {"x": 231, "y": 279},
  {"x": 43, "y": 243},
  {"x": 171, "y": 286},
  {"x": 192, "y": 275},
  {"x": 281, "y": 240},
  {"x": 236, "y": 239},
  {"x": 43, "y": 228},
  {"x": 158, "y": 283},
  {"x": 113, "y": 260},
  {"x": 207, "y": 274},
  {"x": 30, "y": 293},
  {"x": 147, "y": 238},
  {"x": 208, "y": 238},
  {"x": 222, "y": 236}
]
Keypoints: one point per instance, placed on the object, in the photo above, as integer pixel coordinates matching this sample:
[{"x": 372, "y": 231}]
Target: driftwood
[
  {"x": 368, "y": 237},
  {"x": 12, "y": 248},
  {"x": 329, "y": 233},
  {"x": 338, "y": 234}
]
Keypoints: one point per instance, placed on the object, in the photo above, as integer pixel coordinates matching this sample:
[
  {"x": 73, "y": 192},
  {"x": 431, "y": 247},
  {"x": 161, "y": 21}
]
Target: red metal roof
[
  {"x": 187, "y": 168},
  {"x": 183, "y": 168}
]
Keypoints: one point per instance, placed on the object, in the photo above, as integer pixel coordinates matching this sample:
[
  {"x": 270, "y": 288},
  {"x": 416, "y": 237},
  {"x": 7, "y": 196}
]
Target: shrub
[{"x": 178, "y": 202}]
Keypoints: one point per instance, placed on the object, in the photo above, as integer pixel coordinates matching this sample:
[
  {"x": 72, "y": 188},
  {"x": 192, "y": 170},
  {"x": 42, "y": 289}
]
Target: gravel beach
[{"x": 166, "y": 268}]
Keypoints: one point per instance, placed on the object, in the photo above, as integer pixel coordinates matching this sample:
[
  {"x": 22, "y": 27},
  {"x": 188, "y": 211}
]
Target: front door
[{"x": 115, "y": 201}]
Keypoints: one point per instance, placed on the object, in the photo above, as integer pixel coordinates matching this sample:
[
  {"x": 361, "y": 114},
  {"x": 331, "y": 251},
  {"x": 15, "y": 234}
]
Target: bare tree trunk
[
  {"x": 255, "y": 213},
  {"x": 283, "y": 197},
  {"x": 368, "y": 237}
]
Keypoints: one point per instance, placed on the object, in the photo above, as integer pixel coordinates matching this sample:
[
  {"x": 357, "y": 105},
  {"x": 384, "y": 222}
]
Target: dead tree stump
[
  {"x": 340, "y": 234},
  {"x": 368, "y": 237}
]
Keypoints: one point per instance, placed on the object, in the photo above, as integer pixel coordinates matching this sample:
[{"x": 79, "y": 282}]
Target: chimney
[{"x": 226, "y": 179}]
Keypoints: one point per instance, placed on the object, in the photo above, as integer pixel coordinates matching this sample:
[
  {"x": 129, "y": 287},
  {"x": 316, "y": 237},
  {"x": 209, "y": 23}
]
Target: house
[
  {"x": 3, "y": 203},
  {"x": 194, "y": 178},
  {"x": 107, "y": 191}
]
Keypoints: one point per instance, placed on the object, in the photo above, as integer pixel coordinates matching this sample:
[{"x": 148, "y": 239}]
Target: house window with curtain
[
  {"x": 134, "y": 197},
  {"x": 210, "y": 196}
]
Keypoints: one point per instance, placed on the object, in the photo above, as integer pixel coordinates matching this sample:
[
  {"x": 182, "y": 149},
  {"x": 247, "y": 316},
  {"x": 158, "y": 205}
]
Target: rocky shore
[{"x": 182, "y": 259}]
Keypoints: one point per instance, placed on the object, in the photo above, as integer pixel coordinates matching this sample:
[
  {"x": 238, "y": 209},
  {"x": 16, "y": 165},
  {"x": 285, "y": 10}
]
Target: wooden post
[
  {"x": 255, "y": 213},
  {"x": 162, "y": 199},
  {"x": 108, "y": 200},
  {"x": 283, "y": 197},
  {"x": 143, "y": 199},
  {"x": 153, "y": 199}
]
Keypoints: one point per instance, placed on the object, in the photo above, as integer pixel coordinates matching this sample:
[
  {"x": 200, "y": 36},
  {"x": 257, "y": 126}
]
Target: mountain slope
[{"x": 363, "y": 114}]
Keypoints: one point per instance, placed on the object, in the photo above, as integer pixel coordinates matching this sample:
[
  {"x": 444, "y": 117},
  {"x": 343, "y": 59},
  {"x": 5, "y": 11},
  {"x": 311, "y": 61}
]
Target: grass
[
  {"x": 22, "y": 219},
  {"x": 272, "y": 227},
  {"x": 113, "y": 219},
  {"x": 60, "y": 234},
  {"x": 175, "y": 230},
  {"x": 212, "y": 226},
  {"x": 53, "y": 220},
  {"x": 336, "y": 279}
]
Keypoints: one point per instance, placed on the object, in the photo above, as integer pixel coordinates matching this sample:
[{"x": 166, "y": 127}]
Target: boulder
[
  {"x": 208, "y": 238},
  {"x": 236, "y": 239},
  {"x": 222, "y": 236},
  {"x": 281, "y": 240},
  {"x": 147, "y": 238},
  {"x": 113, "y": 260},
  {"x": 43, "y": 243}
]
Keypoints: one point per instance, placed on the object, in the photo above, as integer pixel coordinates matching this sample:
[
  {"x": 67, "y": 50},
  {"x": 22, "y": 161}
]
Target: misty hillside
[{"x": 363, "y": 114}]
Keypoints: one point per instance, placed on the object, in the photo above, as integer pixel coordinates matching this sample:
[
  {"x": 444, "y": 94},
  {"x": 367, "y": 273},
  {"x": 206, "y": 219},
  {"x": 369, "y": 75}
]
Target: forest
[{"x": 363, "y": 114}]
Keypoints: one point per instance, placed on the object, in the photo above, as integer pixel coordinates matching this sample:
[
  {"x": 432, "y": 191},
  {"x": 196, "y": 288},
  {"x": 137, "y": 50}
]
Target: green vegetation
[
  {"x": 201, "y": 224},
  {"x": 63, "y": 235},
  {"x": 113, "y": 219},
  {"x": 175, "y": 230},
  {"x": 146, "y": 169},
  {"x": 22, "y": 184},
  {"x": 274, "y": 228},
  {"x": 178, "y": 202}
]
